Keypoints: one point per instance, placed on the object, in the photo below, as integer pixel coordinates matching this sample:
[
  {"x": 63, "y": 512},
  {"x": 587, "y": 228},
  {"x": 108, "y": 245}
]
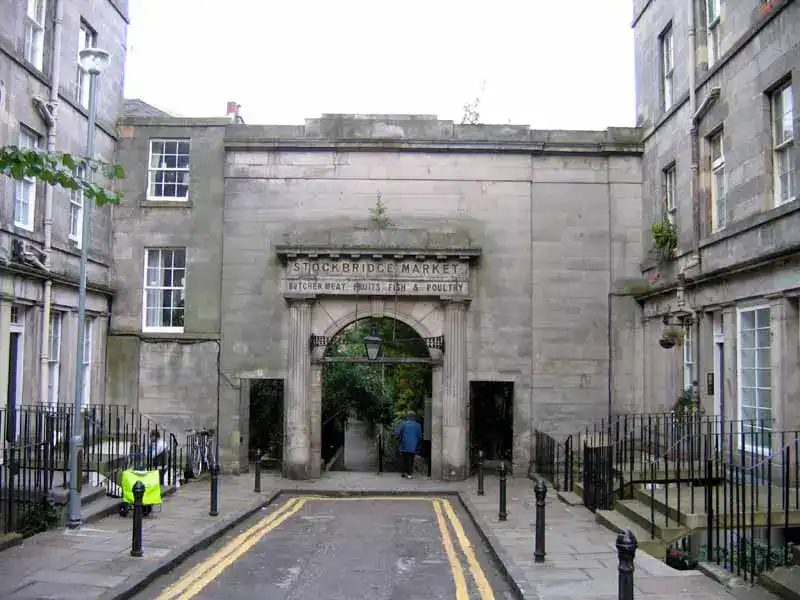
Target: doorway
[
  {"x": 266, "y": 422},
  {"x": 365, "y": 397},
  {"x": 15, "y": 362},
  {"x": 491, "y": 420}
]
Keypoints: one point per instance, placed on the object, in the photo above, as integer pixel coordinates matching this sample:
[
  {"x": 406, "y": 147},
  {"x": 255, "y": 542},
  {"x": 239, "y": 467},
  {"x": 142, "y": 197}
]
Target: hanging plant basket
[{"x": 671, "y": 337}]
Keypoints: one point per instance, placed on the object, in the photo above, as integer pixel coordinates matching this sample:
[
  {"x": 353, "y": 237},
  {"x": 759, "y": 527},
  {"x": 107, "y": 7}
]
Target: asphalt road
[{"x": 305, "y": 548}]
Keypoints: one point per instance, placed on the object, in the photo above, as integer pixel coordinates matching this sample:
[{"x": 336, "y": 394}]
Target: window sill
[
  {"x": 148, "y": 203},
  {"x": 737, "y": 227}
]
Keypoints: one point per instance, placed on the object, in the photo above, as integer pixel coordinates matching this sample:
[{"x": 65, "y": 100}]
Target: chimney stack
[{"x": 233, "y": 112}]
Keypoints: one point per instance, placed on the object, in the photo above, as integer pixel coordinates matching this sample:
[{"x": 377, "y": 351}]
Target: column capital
[
  {"x": 456, "y": 303},
  {"x": 300, "y": 300}
]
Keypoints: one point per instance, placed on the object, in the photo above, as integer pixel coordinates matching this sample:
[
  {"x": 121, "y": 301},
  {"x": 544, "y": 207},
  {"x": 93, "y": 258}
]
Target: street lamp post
[
  {"x": 372, "y": 343},
  {"x": 94, "y": 61}
]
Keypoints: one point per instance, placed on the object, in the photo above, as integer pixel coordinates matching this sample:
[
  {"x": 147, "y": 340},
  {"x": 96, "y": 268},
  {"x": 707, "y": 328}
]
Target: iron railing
[
  {"x": 35, "y": 454},
  {"x": 734, "y": 484}
]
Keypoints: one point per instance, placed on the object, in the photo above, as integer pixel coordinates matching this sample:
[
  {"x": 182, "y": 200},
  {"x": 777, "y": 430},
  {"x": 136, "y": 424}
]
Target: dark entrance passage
[
  {"x": 266, "y": 422},
  {"x": 491, "y": 419},
  {"x": 366, "y": 392}
]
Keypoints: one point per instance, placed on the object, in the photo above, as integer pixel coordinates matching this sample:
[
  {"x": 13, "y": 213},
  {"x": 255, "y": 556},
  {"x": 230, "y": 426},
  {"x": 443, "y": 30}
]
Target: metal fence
[
  {"x": 733, "y": 486},
  {"x": 35, "y": 468}
]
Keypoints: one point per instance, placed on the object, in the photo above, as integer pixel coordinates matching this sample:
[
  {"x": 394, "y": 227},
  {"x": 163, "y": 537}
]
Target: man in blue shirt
[{"x": 410, "y": 434}]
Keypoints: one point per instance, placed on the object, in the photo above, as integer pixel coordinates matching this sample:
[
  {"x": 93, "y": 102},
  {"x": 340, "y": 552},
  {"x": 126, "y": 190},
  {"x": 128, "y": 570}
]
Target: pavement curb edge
[
  {"x": 514, "y": 575},
  {"x": 136, "y": 583}
]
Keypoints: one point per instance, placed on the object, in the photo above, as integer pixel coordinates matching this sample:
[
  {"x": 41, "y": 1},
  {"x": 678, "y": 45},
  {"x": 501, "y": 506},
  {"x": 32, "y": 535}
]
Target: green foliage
[
  {"x": 751, "y": 554},
  {"x": 63, "y": 170},
  {"x": 379, "y": 393},
  {"x": 38, "y": 518},
  {"x": 378, "y": 215},
  {"x": 685, "y": 406},
  {"x": 665, "y": 240}
]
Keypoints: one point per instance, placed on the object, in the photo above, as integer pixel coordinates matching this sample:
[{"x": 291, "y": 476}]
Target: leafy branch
[
  {"x": 378, "y": 214},
  {"x": 63, "y": 170},
  {"x": 665, "y": 240}
]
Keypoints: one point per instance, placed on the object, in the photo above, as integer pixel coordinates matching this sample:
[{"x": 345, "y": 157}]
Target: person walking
[{"x": 410, "y": 434}]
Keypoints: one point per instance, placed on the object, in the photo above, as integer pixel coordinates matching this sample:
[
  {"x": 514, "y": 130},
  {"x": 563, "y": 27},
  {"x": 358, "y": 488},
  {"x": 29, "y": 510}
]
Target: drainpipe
[
  {"x": 52, "y": 110},
  {"x": 697, "y": 214}
]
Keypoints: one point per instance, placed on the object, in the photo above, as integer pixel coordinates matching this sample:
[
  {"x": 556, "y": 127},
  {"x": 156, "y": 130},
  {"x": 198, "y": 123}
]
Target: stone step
[
  {"x": 640, "y": 514},
  {"x": 618, "y": 523},
  {"x": 783, "y": 581}
]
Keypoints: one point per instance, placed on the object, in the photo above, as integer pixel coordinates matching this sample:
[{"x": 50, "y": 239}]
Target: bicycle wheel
[{"x": 195, "y": 464}]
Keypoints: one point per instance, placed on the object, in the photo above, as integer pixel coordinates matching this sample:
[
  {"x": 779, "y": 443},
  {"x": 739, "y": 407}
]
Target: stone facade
[
  {"x": 737, "y": 245},
  {"x": 39, "y": 295},
  {"x": 543, "y": 221}
]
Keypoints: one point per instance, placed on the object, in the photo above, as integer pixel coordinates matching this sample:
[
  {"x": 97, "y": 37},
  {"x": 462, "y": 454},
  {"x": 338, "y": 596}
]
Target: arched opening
[{"x": 375, "y": 370}]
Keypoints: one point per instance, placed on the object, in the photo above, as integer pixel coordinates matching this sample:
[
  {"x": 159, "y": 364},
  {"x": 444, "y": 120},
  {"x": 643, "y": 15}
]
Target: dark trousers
[{"x": 408, "y": 463}]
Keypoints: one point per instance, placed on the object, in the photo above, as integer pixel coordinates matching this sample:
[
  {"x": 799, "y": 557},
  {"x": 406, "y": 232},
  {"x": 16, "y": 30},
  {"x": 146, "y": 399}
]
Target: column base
[
  {"x": 454, "y": 472},
  {"x": 297, "y": 472}
]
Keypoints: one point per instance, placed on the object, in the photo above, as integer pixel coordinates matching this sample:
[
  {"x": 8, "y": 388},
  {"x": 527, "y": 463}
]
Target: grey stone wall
[
  {"x": 19, "y": 83},
  {"x": 557, "y": 215},
  {"x": 739, "y": 265}
]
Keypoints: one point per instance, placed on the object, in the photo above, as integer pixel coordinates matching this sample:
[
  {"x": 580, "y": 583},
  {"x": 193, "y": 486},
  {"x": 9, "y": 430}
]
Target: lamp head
[
  {"x": 94, "y": 60},
  {"x": 372, "y": 343}
]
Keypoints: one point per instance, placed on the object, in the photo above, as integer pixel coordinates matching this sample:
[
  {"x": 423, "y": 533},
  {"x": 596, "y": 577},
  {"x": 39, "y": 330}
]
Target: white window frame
[
  {"x": 88, "y": 347},
  {"x": 666, "y": 43},
  {"x": 33, "y": 50},
  {"x": 156, "y": 287},
  {"x": 54, "y": 357},
  {"x": 719, "y": 206},
  {"x": 713, "y": 41},
  {"x": 743, "y": 439},
  {"x": 178, "y": 172},
  {"x": 689, "y": 376},
  {"x": 76, "y": 203},
  {"x": 25, "y": 191},
  {"x": 670, "y": 183},
  {"x": 783, "y": 144},
  {"x": 87, "y": 38}
]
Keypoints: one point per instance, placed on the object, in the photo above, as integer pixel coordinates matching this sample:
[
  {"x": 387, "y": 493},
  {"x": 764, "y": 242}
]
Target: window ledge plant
[{"x": 665, "y": 240}]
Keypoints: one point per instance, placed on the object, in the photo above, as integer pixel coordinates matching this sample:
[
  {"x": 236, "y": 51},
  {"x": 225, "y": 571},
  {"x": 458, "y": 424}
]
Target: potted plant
[
  {"x": 671, "y": 336},
  {"x": 665, "y": 240}
]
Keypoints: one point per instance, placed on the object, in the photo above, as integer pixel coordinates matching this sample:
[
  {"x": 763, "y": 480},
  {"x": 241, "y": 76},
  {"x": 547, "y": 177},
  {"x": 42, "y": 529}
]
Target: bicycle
[{"x": 202, "y": 454}]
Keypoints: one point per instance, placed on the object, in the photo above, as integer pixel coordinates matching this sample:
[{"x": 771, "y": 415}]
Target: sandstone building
[
  {"x": 718, "y": 105},
  {"x": 503, "y": 241},
  {"x": 43, "y": 103}
]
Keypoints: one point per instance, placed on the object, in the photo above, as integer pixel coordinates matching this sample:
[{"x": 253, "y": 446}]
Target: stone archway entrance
[{"x": 327, "y": 289}]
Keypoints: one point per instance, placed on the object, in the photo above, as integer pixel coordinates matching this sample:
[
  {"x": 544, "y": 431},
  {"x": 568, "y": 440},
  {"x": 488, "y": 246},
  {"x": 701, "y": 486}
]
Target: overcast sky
[{"x": 550, "y": 64}]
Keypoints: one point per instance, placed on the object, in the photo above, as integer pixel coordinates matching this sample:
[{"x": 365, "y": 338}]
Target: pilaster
[
  {"x": 297, "y": 462},
  {"x": 729, "y": 379},
  {"x": 454, "y": 391},
  {"x": 785, "y": 363}
]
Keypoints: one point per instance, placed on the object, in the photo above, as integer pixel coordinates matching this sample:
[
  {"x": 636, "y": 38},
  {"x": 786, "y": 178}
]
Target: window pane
[
  {"x": 748, "y": 359},
  {"x": 764, "y": 403},
  {"x": 762, "y": 317},
  {"x": 763, "y": 359},
  {"x": 763, "y": 338},
  {"x": 764, "y": 378},
  {"x": 748, "y": 377},
  {"x": 747, "y": 340},
  {"x": 748, "y": 320}
]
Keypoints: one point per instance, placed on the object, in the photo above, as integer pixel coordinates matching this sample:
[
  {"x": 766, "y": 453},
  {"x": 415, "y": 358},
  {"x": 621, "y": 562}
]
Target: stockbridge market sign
[{"x": 377, "y": 277}]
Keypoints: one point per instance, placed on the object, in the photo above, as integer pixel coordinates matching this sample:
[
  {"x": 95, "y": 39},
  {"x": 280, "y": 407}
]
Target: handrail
[{"x": 769, "y": 458}]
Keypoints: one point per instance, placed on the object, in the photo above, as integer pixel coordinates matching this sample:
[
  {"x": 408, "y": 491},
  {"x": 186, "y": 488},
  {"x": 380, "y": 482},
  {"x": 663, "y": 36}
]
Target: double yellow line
[
  {"x": 200, "y": 576},
  {"x": 443, "y": 508},
  {"x": 193, "y": 582}
]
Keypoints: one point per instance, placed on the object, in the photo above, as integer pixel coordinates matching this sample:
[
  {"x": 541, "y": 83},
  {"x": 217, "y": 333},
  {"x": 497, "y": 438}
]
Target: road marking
[
  {"x": 455, "y": 565},
  {"x": 197, "y": 586},
  {"x": 392, "y": 498},
  {"x": 183, "y": 583},
  {"x": 466, "y": 547}
]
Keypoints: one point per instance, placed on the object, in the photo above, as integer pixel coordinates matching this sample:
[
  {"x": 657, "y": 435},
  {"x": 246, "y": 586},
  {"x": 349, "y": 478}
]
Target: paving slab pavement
[{"x": 94, "y": 562}]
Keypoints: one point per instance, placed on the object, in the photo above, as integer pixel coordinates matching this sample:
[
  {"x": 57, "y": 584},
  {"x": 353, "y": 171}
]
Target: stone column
[
  {"x": 785, "y": 358},
  {"x": 297, "y": 422},
  {"x": 316, "y": 420},
  {"x": 454, "y": 396}
]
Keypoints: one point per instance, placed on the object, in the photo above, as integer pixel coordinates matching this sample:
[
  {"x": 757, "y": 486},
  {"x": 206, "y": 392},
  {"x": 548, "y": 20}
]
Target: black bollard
[
  {"x": 138, "y": 514},
  {"x": 214, "y": 491},
  {"x": 626, "y": 551},
  {"x": 257, "y": 488},
  {"x": 503, "y": 514},
  {"x": 480, "y": 473},
  {"x": 540, "y": 490}
]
